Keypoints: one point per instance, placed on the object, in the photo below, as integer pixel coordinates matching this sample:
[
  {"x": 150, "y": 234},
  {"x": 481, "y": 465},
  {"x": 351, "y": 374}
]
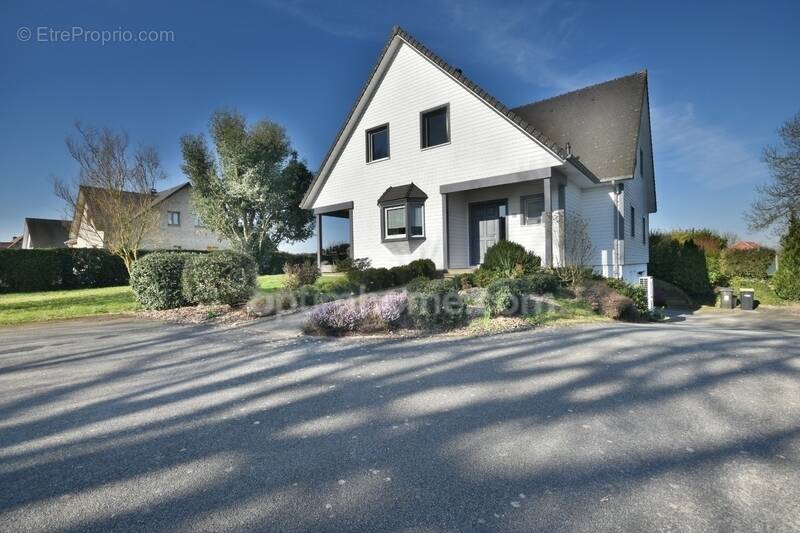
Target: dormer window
[
  {"x": 402, "y": 213},
  {"x": 378, "y": 143},
  {"x": 435, "y": 126}
]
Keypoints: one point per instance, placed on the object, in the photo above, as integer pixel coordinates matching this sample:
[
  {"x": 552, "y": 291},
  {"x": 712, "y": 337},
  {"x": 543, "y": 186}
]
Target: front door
[{"x": 486, "y": 228}]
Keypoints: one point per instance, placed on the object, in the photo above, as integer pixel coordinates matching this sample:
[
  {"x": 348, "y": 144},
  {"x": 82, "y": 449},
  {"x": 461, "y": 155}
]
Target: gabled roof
[
  {"x": 47, "y": 233},
  {"x": 599, "y": 123},
  {"x": 402, "y": 192},
  {"x": 397, "y": 32},
  {"x": 15, "y": 242}
]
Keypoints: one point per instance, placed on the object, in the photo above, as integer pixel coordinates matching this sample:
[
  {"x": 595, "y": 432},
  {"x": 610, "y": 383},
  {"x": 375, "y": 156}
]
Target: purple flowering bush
[{"x": 370, "y": 314}]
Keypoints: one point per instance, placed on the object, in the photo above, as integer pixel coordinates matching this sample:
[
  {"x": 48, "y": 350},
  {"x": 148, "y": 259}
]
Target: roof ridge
[{"x": 592, "y": 86}]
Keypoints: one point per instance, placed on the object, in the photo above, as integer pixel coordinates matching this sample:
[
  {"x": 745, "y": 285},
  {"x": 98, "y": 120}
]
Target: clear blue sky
[{"x": 723, "y": 77}]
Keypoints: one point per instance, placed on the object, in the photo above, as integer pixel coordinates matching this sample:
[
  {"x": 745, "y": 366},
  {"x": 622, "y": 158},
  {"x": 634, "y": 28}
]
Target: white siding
[
  {"x": 483, "y": 144},
  {"x": 597, "y": 208}
]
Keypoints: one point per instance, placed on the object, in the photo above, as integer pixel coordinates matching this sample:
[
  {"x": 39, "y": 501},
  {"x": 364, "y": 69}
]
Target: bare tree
[
  {"x": 779, "y": 201},
  {"x": 575, "y": 245},
  {"x": 112, "y": 194}
]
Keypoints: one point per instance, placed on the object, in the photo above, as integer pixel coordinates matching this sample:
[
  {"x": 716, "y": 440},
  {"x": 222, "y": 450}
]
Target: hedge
[
  {"x": 58, "y": 269},
  {"x": 680, "y": 263},
  {"x": 747, "y": 263},
  {"x": 276, "y": 261}
]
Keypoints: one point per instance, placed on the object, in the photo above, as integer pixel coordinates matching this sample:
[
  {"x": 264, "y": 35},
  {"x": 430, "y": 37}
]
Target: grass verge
[
  {"x": 21, "y": 308},
  {"x": 566, "y": 311}
]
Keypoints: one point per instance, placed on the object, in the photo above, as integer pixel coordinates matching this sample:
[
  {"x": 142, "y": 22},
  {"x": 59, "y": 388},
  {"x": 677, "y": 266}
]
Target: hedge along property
[{"x": 428, "y": 166}]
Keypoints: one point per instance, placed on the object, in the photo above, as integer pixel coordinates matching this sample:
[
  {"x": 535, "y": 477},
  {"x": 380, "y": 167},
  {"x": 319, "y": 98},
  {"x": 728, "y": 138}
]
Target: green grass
[
  {"x": 765, "y": 295},
  {"x": 21, "y": 308},
  {"x": 274, "y": 282},
  {"x": 568, "y": 311}
]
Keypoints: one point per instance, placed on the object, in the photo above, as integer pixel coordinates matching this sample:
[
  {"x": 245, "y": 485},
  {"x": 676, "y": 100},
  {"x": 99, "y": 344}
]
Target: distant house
[
  {"x": 745, "y": 245},
  {"x": 429, "y": 165},
  {"x": 178, "y": 227},
  {"x": 45, "y": 233},
  {"x": 15, "y": 242}
]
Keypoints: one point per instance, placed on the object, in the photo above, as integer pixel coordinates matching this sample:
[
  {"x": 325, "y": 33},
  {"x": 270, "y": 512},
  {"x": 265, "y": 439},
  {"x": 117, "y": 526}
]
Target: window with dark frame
[
  {"x": 532, "y": 208},
  {"x": 395, "y": 222},
  {"x": 644, "y": 230},
  {"x": 435, "y": 127},
  {"x": 633, "y": 221},
  {"x": 174, "y": 218},
  {"x": 378, "y": 143}
]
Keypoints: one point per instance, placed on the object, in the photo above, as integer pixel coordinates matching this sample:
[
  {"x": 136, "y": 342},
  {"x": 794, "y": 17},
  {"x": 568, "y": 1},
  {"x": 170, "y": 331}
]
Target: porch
[
  {"x": 518, "y": 207},
  {"x": 334, "y": 234}
]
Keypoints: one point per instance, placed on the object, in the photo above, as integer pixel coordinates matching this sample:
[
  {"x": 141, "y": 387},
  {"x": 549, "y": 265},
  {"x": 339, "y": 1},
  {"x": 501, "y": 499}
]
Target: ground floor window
[{"x": 395, "y": 222}]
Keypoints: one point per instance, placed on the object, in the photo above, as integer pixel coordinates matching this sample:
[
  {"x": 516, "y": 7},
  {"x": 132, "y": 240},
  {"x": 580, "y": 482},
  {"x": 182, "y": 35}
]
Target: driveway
[{"x": 131, "y": 425}]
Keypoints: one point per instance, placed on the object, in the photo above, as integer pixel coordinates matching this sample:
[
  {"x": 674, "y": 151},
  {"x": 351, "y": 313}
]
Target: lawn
[
  {"x": 20, "y": 308},
  {"x": 25, "y": 307},
  {"x": 274, "y": 282},
  {"x": 568, "y": 311}
]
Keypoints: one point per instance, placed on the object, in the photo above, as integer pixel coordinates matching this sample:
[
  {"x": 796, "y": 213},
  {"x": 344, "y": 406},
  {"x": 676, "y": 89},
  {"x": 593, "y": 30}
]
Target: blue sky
[{"x": 722, "y": 79}]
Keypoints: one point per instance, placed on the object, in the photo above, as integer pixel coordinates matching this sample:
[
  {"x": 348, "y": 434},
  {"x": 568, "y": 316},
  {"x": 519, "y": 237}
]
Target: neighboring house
[
  {"x": 428, "y": 165},
  {"x": 45, "y": 233},
  {"x": 15, "y": 242},
  {"x": 745, "y": 245},
  {"x": 178, "y": 227}
]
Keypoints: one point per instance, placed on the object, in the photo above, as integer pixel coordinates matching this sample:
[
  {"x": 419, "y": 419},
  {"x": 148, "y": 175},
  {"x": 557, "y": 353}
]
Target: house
[
  {"x": 429, "y": 165},
  {"x": 178, "y": 227},
  {"x": 15, "y": 242},
  {"x": 45, "y": 233}
]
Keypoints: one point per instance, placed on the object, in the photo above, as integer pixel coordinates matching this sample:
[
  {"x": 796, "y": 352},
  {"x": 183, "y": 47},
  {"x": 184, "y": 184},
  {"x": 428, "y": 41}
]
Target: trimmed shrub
[
  {"x": 347, "y": 264},
  {"x": 506, "y": 297},
  {"x": 58, "y": 269},
  {"x": 297, "y": 275},
  {"x": 510, "y": 260},
  {"x": 401, "y": 274},
  {"x": 156, "y": 280},
  {"x": 464, "y": 281},
  {"x": 540, "y": 283},
  {"x": 637, "y": 293},
  {"x": 606, "y": 300},
  {"x": 435, "y": 304},
  {"x": 223, "y": 277},
  {"x": 371, "y": 279},
  {"x": 424, "y": 268},
  {"x": 787, "y": 279},
  {"x": 746, "y": 263}
]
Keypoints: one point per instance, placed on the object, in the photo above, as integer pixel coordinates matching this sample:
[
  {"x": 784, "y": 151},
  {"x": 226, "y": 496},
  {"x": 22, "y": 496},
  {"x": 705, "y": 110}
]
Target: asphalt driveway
[{"x": 128, "y": 425}]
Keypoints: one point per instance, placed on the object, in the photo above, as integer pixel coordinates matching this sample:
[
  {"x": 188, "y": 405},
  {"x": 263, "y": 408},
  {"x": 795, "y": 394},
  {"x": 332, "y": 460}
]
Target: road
[{"x": 126, "y": 425}]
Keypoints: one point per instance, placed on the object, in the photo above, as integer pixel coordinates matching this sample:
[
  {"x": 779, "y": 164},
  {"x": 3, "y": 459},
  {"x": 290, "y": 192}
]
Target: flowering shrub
[{"x": 369, "y": 315}]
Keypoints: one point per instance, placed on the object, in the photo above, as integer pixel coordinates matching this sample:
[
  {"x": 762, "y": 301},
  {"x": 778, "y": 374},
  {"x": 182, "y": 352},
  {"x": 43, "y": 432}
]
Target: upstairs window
[
  {"x": 435, "y": 127},
  {"x": 174, "y": 218},
  {"x": 378, "y": 143},
  {"x": 532, "y": 208},
  {"x": 644, "y": 230}
]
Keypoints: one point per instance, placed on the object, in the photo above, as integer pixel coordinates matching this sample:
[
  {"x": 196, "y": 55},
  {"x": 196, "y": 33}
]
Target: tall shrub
[
  {"x": 680, "y": 263},
  {"x": 223, "y": 277},
  {"x": 787, "y": 279},
  {"x": 156, "y": 280}
]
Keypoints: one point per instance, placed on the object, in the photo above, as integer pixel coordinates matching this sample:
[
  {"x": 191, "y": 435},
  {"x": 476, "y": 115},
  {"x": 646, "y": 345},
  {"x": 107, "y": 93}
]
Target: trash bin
[
  {"x": 747, "y": 297},
  {"x": 726, "y": 298}
]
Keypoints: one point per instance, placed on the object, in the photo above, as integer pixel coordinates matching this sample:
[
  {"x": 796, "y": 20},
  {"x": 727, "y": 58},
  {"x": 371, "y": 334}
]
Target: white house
[
  {"x": 178, "y": 227},
  {"x": 428, "y": 165}
]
